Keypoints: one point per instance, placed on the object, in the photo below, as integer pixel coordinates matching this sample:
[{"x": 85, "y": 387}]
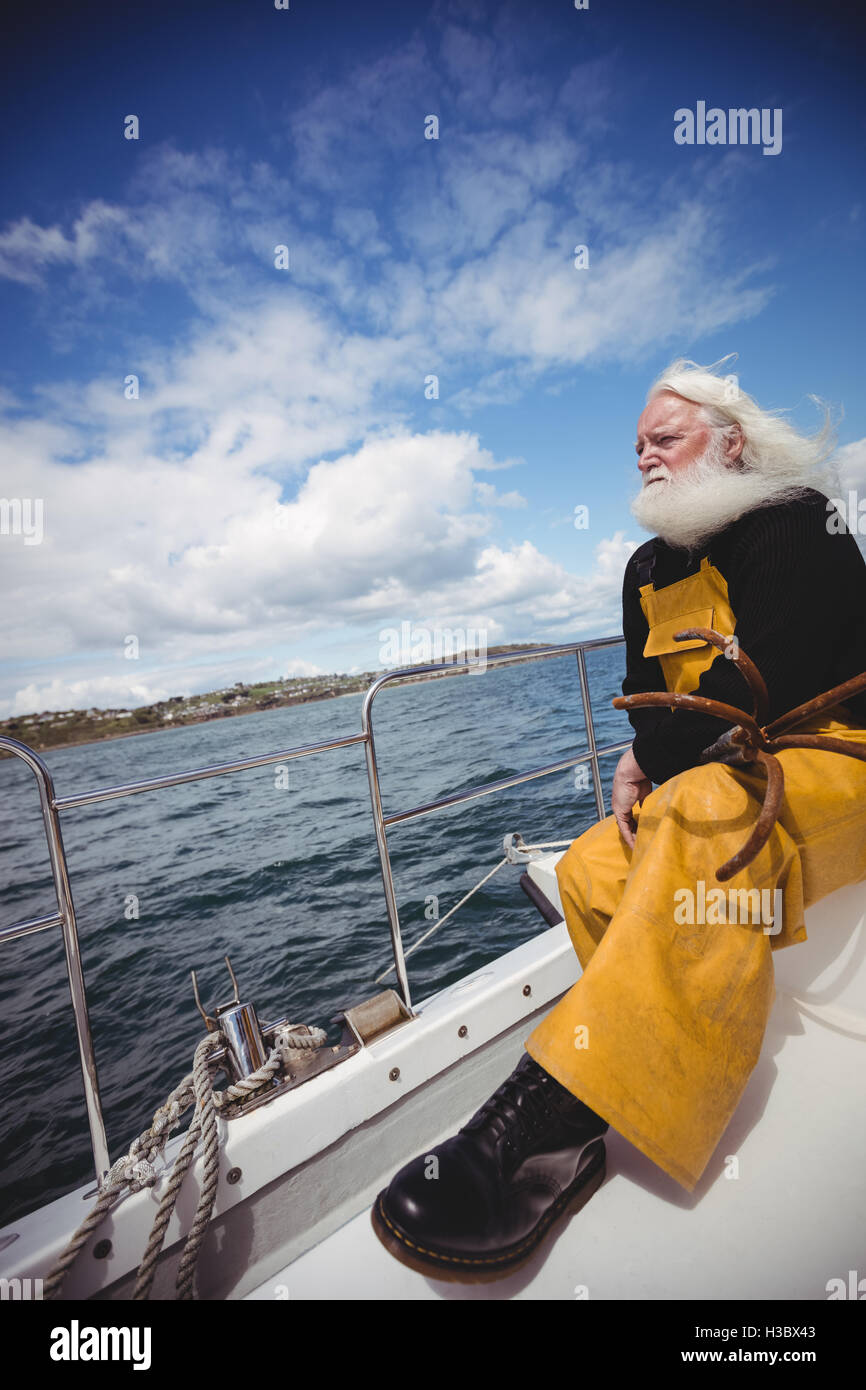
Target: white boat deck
[
  {"x": 781, "y": 1222},
  {"x": 791, "y": 1219}
]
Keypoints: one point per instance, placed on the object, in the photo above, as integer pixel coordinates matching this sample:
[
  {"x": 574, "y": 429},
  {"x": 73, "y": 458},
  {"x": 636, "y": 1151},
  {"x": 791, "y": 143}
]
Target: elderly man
[{"x": 661, "y": 1032}]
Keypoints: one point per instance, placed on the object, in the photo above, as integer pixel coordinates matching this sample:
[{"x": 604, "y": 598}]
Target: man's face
[
  {"x": 670, "y": 436},
  {"x": 693, "y": 480}
]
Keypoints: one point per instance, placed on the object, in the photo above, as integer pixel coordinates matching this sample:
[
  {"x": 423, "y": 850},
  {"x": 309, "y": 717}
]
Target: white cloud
[
  {"x": 103, "y": 692},
  {"x": 26, "y": 248},
  {"x": 129, "y": 688},
  {"x": 266, "y": 486},
  {"x": 521, "y": 592},
  {"x": 489, "y": 497},
  {"x": 199, "y": 555},
  {"x": 469, "y": 261},
  {"x": 850, "y": 460}
]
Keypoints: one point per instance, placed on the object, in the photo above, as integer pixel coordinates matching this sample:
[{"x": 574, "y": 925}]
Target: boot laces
[{"x": 530, "y": 1117}]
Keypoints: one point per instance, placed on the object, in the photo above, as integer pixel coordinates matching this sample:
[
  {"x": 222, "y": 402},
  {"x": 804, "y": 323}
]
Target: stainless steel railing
[
  {"x": 381, "y": 821},
  {"x": 52, "y": 805}
]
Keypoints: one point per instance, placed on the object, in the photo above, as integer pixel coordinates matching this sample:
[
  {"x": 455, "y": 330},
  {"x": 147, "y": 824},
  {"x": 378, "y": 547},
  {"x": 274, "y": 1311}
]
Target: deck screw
[
  {"x": 463, "y": 1031},
  {"x": 233, "y": 1175},
  {"x": 527, "y": 990},
  {"x": 102, "y": 1249},
  {"x": 394, "y": 1074}
]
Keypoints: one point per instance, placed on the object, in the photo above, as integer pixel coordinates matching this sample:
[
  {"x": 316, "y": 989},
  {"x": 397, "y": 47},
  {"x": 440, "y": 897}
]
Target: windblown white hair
[{"x": 787, "y": 460}]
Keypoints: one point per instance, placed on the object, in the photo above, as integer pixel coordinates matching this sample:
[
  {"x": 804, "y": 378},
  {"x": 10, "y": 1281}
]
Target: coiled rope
[{"x": 136, "y": 1169}]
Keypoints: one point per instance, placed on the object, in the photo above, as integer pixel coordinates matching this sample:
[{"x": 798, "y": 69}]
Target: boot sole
[{"x": 483, "y": 1269}]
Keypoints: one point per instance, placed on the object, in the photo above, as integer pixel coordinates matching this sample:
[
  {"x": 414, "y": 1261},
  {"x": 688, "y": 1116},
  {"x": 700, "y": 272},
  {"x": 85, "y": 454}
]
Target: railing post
[
  {"x": 382, "y": 846},
  {"x": 590, "y": 732},
  {"x": 379, "y": 822},
  {"x": 74, "y": 972}
]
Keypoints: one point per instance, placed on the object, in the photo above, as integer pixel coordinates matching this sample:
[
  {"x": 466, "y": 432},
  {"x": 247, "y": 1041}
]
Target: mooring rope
[
  {"x": 136, "y": 1169},
  {"x": 549, "y": 844}
]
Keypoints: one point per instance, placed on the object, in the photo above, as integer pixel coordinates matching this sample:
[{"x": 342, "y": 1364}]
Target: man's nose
[{"x": 649, "y": 458}]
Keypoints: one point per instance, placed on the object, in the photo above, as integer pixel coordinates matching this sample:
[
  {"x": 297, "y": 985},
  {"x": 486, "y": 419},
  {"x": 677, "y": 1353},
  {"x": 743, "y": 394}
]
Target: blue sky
[{"x": 282, "y": 491}]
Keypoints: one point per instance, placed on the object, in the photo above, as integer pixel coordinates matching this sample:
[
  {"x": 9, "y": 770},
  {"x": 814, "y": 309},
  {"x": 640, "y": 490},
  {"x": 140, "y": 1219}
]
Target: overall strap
[{"x": 646, "y": 566}]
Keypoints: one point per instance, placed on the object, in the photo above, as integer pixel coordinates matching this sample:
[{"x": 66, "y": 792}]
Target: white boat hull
[{"x": 779, "y": 1222}]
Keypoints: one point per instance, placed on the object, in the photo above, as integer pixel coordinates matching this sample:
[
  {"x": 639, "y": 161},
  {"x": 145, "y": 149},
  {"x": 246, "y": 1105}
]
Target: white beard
[{"x": 690, "y": 506}]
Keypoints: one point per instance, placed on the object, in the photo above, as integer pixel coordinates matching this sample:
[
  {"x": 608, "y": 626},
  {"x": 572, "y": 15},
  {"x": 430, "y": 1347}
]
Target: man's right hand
[{"x": 630, "y": 785}]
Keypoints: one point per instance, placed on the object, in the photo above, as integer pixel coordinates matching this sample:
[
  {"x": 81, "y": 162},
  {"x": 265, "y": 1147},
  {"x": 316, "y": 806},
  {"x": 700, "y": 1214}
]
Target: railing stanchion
[
  {"x": 384, "y": 855},
  {"x": 74, "y": 971},
  {"x": 590, "y": 732}
]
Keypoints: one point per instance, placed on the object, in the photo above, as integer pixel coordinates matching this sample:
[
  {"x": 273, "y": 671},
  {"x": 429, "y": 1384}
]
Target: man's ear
[{"x": 735, "y": 442}]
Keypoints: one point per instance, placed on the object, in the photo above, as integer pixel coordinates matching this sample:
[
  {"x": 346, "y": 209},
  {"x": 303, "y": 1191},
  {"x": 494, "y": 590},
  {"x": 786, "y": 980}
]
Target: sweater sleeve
[{"x": 775, "y": 555}]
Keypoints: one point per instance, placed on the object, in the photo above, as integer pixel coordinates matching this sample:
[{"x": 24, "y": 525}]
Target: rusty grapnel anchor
[{"x": 750, "y": 740}]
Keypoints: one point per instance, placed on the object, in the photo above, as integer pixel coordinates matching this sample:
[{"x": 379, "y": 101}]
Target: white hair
[{"x": 788, "y": 461}]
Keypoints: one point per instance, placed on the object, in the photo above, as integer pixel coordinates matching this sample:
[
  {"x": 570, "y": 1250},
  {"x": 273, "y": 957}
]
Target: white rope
[
  {"x": 203, "y": 1122},
  {"x": 136, "y": 1169},
  {"x": 133, "y": 1171},
  {"x": 548, "y": 844},
  {"x": 298, "y": 1036},
  {"x": 238, "y": 1089},
  {"x": 442, "y": 920}
]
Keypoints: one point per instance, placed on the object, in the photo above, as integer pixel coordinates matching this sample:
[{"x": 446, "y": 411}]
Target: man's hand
[{"x": 630, "y": 784}]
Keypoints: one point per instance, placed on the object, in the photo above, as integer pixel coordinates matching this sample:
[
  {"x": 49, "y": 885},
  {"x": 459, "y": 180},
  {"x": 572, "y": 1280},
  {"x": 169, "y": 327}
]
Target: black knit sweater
[{"x": 798, "y": 593}]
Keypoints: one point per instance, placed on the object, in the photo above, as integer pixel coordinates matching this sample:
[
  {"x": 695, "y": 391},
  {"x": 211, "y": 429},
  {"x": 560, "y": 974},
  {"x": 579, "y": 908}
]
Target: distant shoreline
[
  {"x": 171, "y": 727},
  {"x": 191, "y": 723}
]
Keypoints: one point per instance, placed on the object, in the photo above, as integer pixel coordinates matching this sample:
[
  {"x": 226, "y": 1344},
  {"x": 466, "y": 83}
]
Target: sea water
[{"x": 276, "y": 867}]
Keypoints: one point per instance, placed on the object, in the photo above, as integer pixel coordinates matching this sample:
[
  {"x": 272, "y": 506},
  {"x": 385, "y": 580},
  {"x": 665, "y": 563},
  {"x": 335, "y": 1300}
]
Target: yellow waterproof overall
[{"x": 660, "y": 1034}]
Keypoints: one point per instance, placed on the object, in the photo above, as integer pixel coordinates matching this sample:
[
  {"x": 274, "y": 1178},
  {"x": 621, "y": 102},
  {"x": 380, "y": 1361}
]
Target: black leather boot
[{"x": 478, "y": 1205}]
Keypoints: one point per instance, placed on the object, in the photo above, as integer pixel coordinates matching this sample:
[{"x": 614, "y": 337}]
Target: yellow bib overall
[
  {"x": 660, "y": 1034},
  {"x": 701, "y": 600}
]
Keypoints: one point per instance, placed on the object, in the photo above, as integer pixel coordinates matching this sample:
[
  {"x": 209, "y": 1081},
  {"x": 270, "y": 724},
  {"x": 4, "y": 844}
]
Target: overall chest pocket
[{"x": 660, "y": 641}]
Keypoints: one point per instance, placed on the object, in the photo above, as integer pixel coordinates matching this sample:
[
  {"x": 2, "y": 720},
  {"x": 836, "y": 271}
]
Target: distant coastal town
[{"x": 58, "y": 728}]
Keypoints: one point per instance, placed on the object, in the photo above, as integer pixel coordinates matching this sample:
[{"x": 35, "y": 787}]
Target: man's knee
[
  {"x": 711, "y": 792},
  {"x": 600, "y": 845}
]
